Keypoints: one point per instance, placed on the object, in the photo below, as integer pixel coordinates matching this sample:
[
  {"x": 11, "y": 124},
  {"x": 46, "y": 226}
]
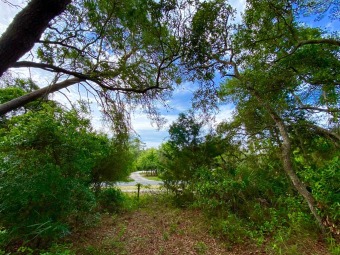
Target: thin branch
[
  {"x": 13, "y": 5},
  {"x": 333, "y": 136},
  {"x": 73, "y": 107},
  {"x": 328, "y": 41},
  {"x": 52, "y": 68},
  {"x": 317, "y": 109},
  {"x": 61, "y": 44},
  {"x": 309, "y": 42}
]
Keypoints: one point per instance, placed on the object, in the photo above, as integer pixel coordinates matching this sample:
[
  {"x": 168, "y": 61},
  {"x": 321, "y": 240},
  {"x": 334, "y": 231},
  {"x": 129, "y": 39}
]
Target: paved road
[{"x": 139, "y": 179}]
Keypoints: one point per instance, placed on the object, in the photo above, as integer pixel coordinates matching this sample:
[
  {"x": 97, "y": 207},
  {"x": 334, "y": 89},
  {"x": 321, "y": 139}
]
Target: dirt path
[
  {"x": 153, "y": 229},
  {"x": 158, "y": 228}
]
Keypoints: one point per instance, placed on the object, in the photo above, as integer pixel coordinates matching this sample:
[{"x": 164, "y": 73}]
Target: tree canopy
[{"x": 122, "y": 52}]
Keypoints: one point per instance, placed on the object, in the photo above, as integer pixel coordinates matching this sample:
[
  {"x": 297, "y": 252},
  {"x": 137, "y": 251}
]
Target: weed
[
  {"x": 201, "y": 247},
  {"x": 232, "y": 229},
  {"x": 90, "y": 250},
  {"x": 25, "y": 250},
  {"x": 166, "y": 236},
  {"x": 173, "y": 228},
  {"x": 121, "y": 231},
  {"x": 161, "y": 251},
  {"x": 333, "y": 246},
  {"x": 59, "y": 249}
]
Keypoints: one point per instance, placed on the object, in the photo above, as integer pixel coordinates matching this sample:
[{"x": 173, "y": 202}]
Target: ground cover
[{"x": 155, "y": 227}]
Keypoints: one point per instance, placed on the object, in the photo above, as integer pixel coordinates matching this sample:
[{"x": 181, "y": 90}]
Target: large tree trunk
[
  {"x": 288, "y": 167},
  {"x": 26, "y": 29},
  {"x": 286, "y": 153},
  {"x": 30, "y": 97}
]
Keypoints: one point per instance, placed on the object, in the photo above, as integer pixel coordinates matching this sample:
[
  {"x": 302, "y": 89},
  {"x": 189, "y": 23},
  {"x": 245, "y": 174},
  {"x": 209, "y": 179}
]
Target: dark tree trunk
[
  {"x": 26, "y": 29},
  {"x": 30, "y": 97}
]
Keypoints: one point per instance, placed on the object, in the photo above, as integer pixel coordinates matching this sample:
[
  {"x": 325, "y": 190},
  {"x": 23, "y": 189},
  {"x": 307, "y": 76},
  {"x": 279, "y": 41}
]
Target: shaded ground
[{"x": 158, "y": 228}]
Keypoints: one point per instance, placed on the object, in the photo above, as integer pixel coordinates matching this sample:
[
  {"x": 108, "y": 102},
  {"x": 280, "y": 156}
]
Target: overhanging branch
[
  {"x": 30, "y": 97},
  {"x": 52, "y": 68},
  {"x": 88, "y": 77}
]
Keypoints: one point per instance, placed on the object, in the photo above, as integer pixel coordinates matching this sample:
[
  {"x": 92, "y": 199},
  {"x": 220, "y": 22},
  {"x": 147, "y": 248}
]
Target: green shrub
[
  {"x": 230, "y": 228},
  {"x": 325, "y": 185},
  {"x": 259, "y": 199},
  {"x": 45, "y": 164},
  {"x": 111, "y": 200}
]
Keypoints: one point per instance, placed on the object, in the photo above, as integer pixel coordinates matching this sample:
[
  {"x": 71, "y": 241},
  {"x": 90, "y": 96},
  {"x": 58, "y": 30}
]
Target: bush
[
  {"x": 111, "y": 200},
  {"x": 231, "y": 228},
  {"x": 46, "y": 160},
  {"x": 325, "y": 185},
  {"x": 258, "y": 202}
]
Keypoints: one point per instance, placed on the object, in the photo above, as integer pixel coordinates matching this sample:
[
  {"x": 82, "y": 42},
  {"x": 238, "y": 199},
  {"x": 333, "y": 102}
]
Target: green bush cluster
[
  {"x": 48, "y": 160},
  {"x": 249, "y": 203},
  {"x": 111, "y": 200}
]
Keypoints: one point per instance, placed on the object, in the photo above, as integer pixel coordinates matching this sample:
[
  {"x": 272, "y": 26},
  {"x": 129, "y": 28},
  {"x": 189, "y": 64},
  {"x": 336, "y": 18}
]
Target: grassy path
[
  {"x": 158, "y": 228},
  {"x": 155, "y": 228}
]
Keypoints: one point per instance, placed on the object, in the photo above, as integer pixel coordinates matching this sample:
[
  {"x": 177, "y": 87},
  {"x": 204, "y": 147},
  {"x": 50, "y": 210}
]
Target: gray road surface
[{"x": 139, "y": 179}]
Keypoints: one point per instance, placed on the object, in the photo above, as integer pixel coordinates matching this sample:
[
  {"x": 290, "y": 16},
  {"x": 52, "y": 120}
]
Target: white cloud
[
  {"x": 225, "y": 114},
  {"x": 100, "y": 126},
  {"x": 148, "y": 132},
  {"x": 240, "y": 6},
  {"x": 141, "y": 122}
]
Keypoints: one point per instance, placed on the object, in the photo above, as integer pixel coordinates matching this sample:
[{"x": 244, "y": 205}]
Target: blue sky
[{"x": 180, "y": 102}]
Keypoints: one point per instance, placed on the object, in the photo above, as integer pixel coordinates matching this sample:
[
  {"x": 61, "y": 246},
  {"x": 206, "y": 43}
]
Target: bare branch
[{"x": 61, "y": 44}]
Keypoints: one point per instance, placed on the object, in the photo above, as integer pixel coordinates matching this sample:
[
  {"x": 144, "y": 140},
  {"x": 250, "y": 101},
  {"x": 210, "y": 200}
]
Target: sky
[{"x": 144, "y": 128}]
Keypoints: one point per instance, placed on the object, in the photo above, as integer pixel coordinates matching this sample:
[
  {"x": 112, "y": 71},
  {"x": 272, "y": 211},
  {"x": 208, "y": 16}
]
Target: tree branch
[
  {"x": 309, "y": 42},
  {"x": 318, "y": 41},
  {"x": 83, "y": 77},
  {"x": 30, "y": 97},
  {"x": 61, "y": 44},
  {"x": 317, "y": 109},
  {"x": 322, "y": 131},
  {"x": 26, "y": 29},
  {"x": 52, "y": 68}
]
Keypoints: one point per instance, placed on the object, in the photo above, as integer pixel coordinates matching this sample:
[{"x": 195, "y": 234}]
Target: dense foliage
[
  {"x": 148, "y": 161},
  {"x": 243, "y": 188},
  {"x": 48, "y": 162}
]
